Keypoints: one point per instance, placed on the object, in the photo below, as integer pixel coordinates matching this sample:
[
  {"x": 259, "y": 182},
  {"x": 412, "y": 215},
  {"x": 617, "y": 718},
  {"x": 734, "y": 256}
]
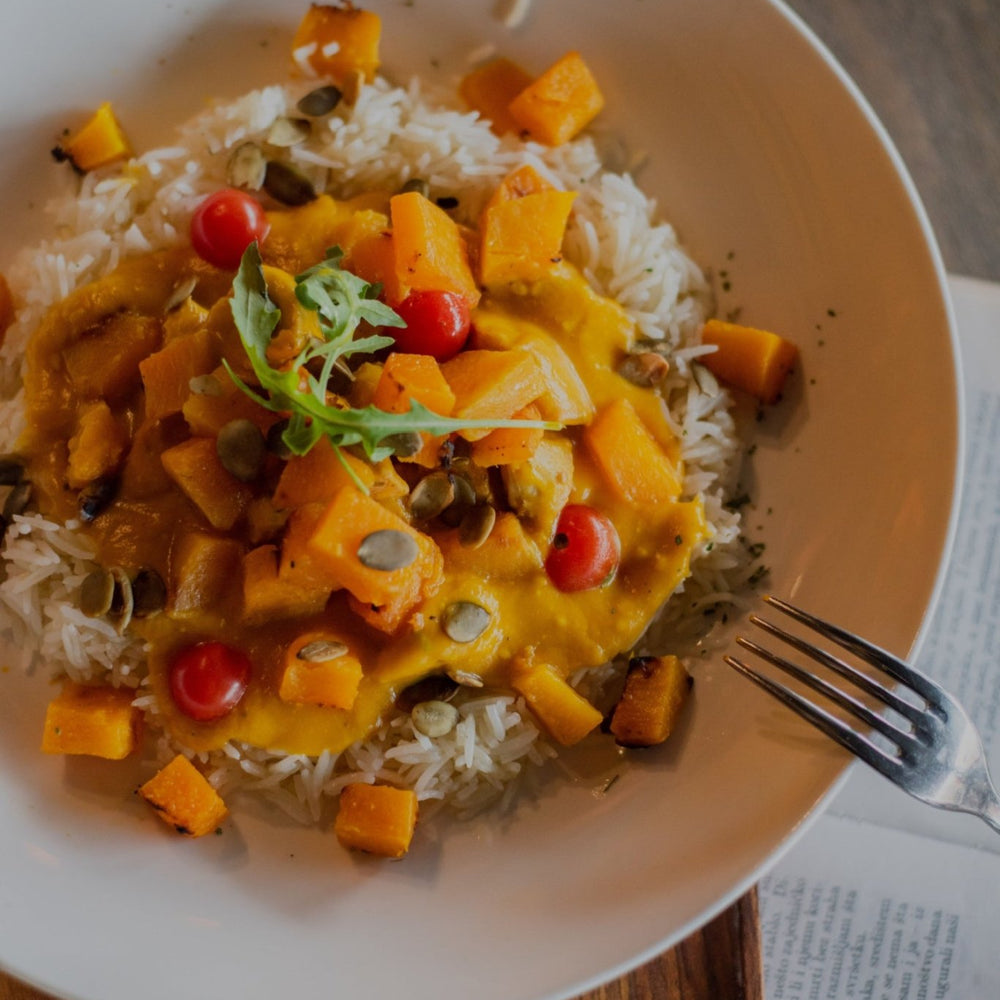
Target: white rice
[{"x": 391, "y": 135}]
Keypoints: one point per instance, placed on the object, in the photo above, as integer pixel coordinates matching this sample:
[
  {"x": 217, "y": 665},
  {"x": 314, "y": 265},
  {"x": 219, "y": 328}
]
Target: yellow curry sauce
[{"x": 87, "y": 414}]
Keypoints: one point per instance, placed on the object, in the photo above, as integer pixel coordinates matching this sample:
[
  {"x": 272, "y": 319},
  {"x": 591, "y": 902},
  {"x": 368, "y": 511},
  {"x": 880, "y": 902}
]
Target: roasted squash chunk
[
  {"x": 378, "y": 819},
  {"x": 184, "y": 799},
  {"x": 97, "y": 721},
  {"x": 195, "y": 467},
  {"x": 320, "y": 670},
  {"x": 99, "y": 142},
  {"x": 490, "y": 88},
  {"x": 656, "y": 689},
  {"x": 563, "y": 712},
  {"x": 334, "y": 42},
  {"x": 559, "y": 103},
  {"x": 756, "y": 361}
]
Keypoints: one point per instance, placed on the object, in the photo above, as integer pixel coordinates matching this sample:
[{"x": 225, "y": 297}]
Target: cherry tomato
[
  {"x": 208, "y": 679},
  {"x": 437, "y": 323},
  {"x": 584, "y": 551},
  {"x": 224, "y": 225}
]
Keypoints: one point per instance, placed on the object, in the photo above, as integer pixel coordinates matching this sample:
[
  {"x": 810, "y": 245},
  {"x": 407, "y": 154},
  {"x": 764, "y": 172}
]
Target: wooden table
[{"x": 930, "y": 70}]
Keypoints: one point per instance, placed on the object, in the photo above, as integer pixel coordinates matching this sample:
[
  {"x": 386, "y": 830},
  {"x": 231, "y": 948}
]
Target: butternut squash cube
[
  {"x": 490, "y": 88},
  {"x": 656, "y": 689},
  {"x": 333, "y": 42},
  {"x": 539, "y": 488},
  {"x": 104, "y": 361},
  {"x": 188, "y": 317},
  {"x": 558, "y": 104},
  {"x": 96, "y": 721},
  {"x": 409, "y": 377},
  {"x": 756, "y": 361},
  {"x": 207, "y": 412},
  {"x": 167, "y": 374},
  {"x": 318, "y": 475},
  {"x": 373, "y": 258},
  {"x": 184, "y": 799},
  {"x": 429, "y": 249},
  {"x": 521, "y": 238},
  {"x": 562, "y": 711},
  {"x": 203, "y": 567},
  {"x": 195, "y": 467},
  {"x": 99, "y": 142},
  {"x": 309, "y": 680},
  {"x": 492, "y": 385},
  {"x": 97, "y": 447},
  {"x": 632, "y": 460},
  {"x": 345, "y": 523},
  {"x": 268, "y": 596},
  {"x": 297, "y": 566},
  {"x": 378, "y": 819},
  {"x": 507, "y": 445}
]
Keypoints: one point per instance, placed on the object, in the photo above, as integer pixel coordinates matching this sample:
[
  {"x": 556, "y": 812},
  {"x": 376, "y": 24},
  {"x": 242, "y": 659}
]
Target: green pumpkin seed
[
  {"x": 241, "y": 449},
  {"x": 95, "y": 497},
  {"x": 205, "y": 385},
  {"x": 149, "y": 593},
  {"x": 321, "y": 650},
  {"x": 288, "y": 185},
  {"x": 464, "y": 678},
  {"x": 431, "y": 496},
  {"x": 96, "y": 593},
  {"x": 122, "y": 600},
  {"x": 645, "y": 368},
  {"x": 180, "y": 294},
  {"x": 319, "y": 102},
  {"x": 464, "y": 621},
  {"x": 417, "y": 184},
  {"x": 388, "y": 549},
  {"x": 246, "y": 167},
  {"x": 287, "y": 132},
  {"x": 434, "y": 718},
  {"x": 476, "y": 525},
  {"x": 405, "y": 444}
]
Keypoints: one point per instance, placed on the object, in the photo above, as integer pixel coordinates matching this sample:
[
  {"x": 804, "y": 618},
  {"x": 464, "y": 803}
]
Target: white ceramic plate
[{"x": 772, "y": 168}]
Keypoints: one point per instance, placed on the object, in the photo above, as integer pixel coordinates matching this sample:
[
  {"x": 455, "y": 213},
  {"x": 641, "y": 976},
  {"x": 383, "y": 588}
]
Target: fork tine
[
  {"x": 824, "y": 721},
  {"x": 867, "y": 651},
  {"x": 857, "y": 677},
  {"x": 904, "y": 740}
]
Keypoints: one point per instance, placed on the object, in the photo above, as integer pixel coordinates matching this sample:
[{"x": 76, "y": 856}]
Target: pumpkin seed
[
  {"x": 465, "y": 493},
  {"x": 149, "y": 593},
  {"x": 707, "y": 382},
  {"x": 95, "y": 497},
  {"x": 288, "y": 185},
  {"x": 431, "y": 496},
  {"x": 476, "y": 525},
  {"x": 387, "y": 549},
  {"x": 436, "y": 687},
  {"x": 246, "y": 167},
  {"x": 434, "y": 718},
  {"x": 122, "y": 601},
  {"x": 96, "y": 593},
  {"x": 319, "y": 102},
  {"x": 644, "y": 368},
  {"x": 275, "y": 441},
  {"x": 11, "y": 471},
  {"x": 241, "y": 449},
  {"x": 180, "y": 294},
  {"x": 286, "y": 132},
  {"x": 205, "y": 385},
  {"x": 464, "y": 678},
  {"x": 321, "y": 650},
  {"x": 351, "y": 85},
  {"x": 464, "y": 621},
  {"x": 417, "y": 184},
  {"x": 405, "y": 444},
  {"x": 17, "y": 500}
]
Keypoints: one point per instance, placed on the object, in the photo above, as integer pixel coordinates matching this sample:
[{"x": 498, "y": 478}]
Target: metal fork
[{"x": 933, "y": 752}]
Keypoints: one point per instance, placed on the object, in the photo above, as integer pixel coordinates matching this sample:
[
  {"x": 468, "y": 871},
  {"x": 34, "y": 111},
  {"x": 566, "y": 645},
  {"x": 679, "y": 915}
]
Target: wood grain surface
[{"x": 931, "y": 71}]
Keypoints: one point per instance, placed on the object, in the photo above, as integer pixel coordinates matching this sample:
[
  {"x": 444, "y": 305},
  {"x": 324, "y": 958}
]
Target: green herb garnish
[{"x": 342, "y": 301}]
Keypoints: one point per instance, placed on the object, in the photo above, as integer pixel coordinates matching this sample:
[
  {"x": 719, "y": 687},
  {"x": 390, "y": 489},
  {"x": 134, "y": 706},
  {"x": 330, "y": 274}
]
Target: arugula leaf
[{"x": 341, "y": 301}]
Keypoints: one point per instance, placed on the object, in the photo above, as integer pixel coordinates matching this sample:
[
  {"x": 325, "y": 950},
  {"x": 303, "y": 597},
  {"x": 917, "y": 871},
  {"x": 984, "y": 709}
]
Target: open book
[{"x": 883, "y": 897}]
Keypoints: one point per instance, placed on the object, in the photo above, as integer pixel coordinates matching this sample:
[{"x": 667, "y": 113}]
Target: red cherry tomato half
[
  {"x": 437, "y": 323},
  {"x": 584, "y": 551},
  {"x": 224, "y": 225},
  {"x": 208, "y": 679}
]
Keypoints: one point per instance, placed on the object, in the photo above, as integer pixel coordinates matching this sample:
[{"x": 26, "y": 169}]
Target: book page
[{"x": 884, "y": 897}]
